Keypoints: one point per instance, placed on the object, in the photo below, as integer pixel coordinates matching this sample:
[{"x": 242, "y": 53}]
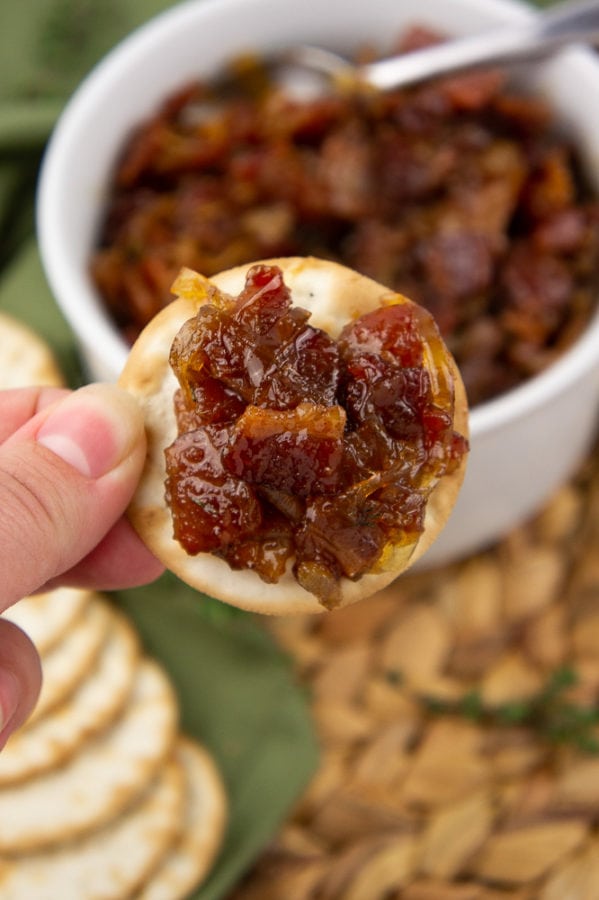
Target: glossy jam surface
[{"x": 298, "y": 449}]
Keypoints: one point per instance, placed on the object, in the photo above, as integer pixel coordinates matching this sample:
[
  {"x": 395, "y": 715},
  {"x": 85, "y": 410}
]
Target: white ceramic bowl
[{"x": 523, "y": 444}]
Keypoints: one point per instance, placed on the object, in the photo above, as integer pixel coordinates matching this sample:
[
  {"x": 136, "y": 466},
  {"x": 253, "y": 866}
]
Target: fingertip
[
  {"x": 20, "y": 678},
  {"x": 10, "y": 697}
]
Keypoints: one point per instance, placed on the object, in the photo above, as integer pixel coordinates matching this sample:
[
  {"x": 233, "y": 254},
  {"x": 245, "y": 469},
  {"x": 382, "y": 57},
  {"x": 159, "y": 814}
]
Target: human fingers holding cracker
[{"x": 69, "y": 463}]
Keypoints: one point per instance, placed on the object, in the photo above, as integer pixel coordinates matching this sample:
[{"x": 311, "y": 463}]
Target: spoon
[{"x": 573, "y": 21}]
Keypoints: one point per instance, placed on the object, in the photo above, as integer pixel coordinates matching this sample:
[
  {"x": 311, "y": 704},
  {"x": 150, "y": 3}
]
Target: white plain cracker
[
  {"x": 47, "y": 617},
  {"x": 192, "y": 856},
  {"x": 102, "y": 780},
  {"x": 55, "y": 737},
  {"x": 25, "y": 357},
  {"x": 109, "y": 864},
  {"x": 69, "y": 661},
  {"x": 335, "y": 295}
]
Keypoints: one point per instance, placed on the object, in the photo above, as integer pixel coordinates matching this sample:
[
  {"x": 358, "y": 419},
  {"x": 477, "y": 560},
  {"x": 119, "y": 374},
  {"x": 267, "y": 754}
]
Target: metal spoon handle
[{"x": 566, "y": 23}]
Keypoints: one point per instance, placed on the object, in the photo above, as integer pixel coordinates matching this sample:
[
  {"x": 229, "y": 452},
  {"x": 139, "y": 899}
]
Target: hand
[{"x": 69, "y": 464}]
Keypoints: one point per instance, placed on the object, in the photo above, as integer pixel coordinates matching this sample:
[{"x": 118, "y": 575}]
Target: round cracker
[
  {"x": 25, "y": 358},
  {"x": 67, "y": 663},
  {"x": 47, "y": 617},
  {"x": 192, "y": 856},
  {"x": 101, "y": 781},
  {"x": 334, "y": 295},
  {"x": 55, "y": 737},
  {"x": 110, "y": 863}
]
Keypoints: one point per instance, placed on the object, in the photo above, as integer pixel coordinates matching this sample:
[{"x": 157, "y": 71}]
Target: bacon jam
[
  {"x": 460, "y": 193},
  {"x": 296, "y": 449}
]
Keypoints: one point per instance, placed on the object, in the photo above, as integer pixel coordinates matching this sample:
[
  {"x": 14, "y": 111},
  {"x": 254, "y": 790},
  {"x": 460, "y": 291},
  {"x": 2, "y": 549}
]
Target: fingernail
[
  {"x": 9, "y": 701},
  {"x": 93, "y": 429}
]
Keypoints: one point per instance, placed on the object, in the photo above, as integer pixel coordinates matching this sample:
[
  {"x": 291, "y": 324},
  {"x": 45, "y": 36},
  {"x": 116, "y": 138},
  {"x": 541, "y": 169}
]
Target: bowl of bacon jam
[
  {"x": 299, "y": 457},
  {"x": 475, "y": 196}
]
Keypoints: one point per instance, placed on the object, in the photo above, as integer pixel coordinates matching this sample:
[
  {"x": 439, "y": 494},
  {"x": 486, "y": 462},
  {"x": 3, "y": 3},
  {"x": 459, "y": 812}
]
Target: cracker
[
  {"x": 324, "y": 288},
  {"x": 108, "y": 864},
  {"x": 193, "y": 854},
  {"x": 25, "y": 358},
  {"x": 101, "y": 781},
  {"x": 55, "y": 737},
  {"x": 47, "y": 617},
  {"x": 69, "y": 661}
]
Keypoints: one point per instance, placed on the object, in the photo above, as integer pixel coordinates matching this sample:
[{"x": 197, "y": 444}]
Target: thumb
[{"x": 66, "y": 476}]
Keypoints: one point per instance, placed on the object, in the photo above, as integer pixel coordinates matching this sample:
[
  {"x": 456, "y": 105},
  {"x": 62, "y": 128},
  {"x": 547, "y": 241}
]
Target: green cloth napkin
[{"x": 236, "y": 689}]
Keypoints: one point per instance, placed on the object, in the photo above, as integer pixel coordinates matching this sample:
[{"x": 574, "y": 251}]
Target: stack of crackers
[
  {"x": 101, "y": 795},
  {"x": 25, "y": 357}
]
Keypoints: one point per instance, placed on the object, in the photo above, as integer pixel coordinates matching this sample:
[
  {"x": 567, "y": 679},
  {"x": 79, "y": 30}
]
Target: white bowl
[{"x": 523, "y": 444}]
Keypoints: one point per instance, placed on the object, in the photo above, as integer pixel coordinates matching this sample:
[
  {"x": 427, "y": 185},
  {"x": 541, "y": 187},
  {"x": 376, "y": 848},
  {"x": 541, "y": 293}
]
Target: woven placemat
[{"x": 458, "y": 716}]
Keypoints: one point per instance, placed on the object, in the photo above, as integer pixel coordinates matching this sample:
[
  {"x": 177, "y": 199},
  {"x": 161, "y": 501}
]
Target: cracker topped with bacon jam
[{"x": 307, "y": 433}]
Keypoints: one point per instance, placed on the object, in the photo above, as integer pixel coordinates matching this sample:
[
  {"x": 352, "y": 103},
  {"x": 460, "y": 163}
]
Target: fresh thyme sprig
[{"x": 550, "y": 713}]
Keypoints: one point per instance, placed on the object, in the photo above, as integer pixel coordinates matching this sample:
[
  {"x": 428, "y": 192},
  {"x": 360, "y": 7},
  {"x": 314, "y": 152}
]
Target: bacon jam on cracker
[{"x": 306, "y": 430}]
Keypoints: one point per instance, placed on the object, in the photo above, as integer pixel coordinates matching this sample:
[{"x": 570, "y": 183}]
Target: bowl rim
[{"x": 95, "y": 325}]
